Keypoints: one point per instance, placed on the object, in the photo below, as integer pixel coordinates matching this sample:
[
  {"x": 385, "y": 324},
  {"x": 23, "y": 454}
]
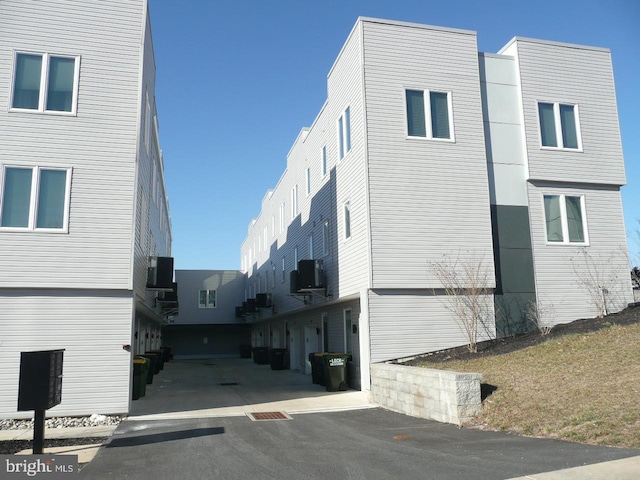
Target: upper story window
[
  {"x": 323, "y": 161},
  {"x": 325, "y": 238},
  {"x": 35, "y": 198},
  {"x": 311, "y": 246},
  {"x": 265, "y": 241},
  {"x": 565, "y": 219},
  {"x": 308, "y": 181},
  {"x": 429, "y": 114},
  {"x": 45, "y": 83},
  {"x": 347, "y": 220},
  {"x": 294, "y": 202},
  {"x": 344, "y": 133},
  {"x": 207, "y": 299},
  {"x": 559, "y": 125},
  {"x": 282, "y": 220}
]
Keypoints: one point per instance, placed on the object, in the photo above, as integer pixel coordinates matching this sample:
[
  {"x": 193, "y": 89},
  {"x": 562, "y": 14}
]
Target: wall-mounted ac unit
[
  {"x": 293, "y": 281},
  {"x": 160, "y": 274},
  {"x": 310, "y": 275},
  {"x": 171, "y": 296},
  {"x": 251, "y": 306},
  {"x": 263, "y": 300},
  {"x": 239, "y": 312}
]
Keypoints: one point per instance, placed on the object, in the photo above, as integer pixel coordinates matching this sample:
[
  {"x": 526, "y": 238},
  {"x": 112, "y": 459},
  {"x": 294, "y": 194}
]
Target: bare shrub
[
  {"x": 466, "y": 283},
  {"x": 542, "y": 315}
]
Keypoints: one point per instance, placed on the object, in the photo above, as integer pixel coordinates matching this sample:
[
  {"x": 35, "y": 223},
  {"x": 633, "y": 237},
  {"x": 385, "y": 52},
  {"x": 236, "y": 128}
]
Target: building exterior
[
  {"x": 430, "y": 157},
  {"x": 207, "y": 325},
  {"x": 83, "y": 205}
]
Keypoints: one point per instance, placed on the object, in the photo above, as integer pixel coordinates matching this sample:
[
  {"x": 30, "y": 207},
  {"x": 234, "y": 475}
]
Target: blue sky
[{"x": 238, "y": 79}]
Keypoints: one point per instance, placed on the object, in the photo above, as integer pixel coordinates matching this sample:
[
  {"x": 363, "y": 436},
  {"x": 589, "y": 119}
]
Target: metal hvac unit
[
  {"x": 160, "y": 274},
  {"x": 310, "y": 275},
  {"x": 263, "y": 300},
  {"x": 293, "y": 281},
  {"x": 251, "y": 306},
  {"x": 239, "y": 312}
]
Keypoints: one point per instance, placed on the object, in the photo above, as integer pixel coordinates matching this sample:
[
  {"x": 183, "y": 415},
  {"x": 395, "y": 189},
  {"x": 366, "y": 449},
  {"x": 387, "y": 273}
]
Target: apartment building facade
[
  {"x": 430, "y": 157},
  {"x": 83, "y": 204}
]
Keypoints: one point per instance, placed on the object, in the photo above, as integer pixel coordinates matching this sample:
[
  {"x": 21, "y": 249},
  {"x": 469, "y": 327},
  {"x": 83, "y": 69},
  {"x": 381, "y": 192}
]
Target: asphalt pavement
[{"x": 196, "y": 423}]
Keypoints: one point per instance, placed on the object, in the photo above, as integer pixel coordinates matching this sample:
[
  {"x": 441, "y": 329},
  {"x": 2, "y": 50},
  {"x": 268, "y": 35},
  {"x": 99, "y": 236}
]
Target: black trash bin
[
  {"x": 317, "y": 368},
  {"x": 335, "y": 371},
  {"x": 140, "y": 371},
  {"x": 154, "y": 367},
  {"x": 261, "y": 355},
  {"x": 160, "y": 354},
  {"x": 277, "y": 356},
  {"x": 245, "y": 351}
]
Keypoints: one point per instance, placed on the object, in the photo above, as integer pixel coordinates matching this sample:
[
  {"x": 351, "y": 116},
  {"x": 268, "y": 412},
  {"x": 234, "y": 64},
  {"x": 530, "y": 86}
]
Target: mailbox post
[{"x": 40, "y": 388}]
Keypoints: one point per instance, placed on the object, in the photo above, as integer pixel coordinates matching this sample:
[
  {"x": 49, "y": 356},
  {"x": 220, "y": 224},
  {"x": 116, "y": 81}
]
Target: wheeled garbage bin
[
  {"x": 140, "y": 370},
  {"x": 335, "y": 371},
  {"x": 317, "y": 368},
  {"x": 261, "y": 355},
  {"x": 277, "y": 355}
]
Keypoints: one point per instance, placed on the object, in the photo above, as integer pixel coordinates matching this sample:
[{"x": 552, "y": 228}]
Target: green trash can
[
  {"x": 317, "y": 368},
  {"x": 276, "y": 355},
  {"x": 335, "y": 371},
  {"x": 154, "y": 366},
  {"x": 160, "y": 354},
  {"x": 261, "y": 355},
  {"x": 140, "y": 370}
]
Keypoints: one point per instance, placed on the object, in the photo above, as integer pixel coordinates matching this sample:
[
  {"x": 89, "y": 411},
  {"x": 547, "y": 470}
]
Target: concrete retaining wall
[{"x": 441, "y": 395}]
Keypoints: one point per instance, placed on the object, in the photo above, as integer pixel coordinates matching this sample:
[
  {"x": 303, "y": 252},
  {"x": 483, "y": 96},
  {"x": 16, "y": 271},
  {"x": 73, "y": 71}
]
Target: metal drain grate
[
  {"x": 263, "y": 416},
  {"x": 228, "y": 384}
]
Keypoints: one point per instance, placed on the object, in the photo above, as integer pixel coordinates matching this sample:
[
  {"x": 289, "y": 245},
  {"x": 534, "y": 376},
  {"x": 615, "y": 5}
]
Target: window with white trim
[
  {"x": 323, "y": 161},
  {"x": 294, "y": 202},
  {"x": 284, "y": 270},
  {"x": 311, "y": 247},
  {"x": 295, "y": 258},
  {"x": 45, "y": 83},
  {"x": 429, "y": 114},
  {"x": 273, "y": 226},
  {"x": 273, "y": 276},
  {"x": 348, "y": 332},
  {"x": 282, "y": 219},
  {"x": 565, "y": 219},
  {"x": 35, "y": 198},
  {"x": 308, "y": 181},
  {"x": 265, "y": 241},
  {"x": 325, "y": 238},
  {"x": 347, "y": 220},
  {"x": 207, "y": 299},
  {"x": 559, "y": 125},
  {"x": 344, "y": 133}
]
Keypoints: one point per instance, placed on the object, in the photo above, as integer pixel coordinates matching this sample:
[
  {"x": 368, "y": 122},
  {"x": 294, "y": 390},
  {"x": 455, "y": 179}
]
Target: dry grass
[{"x": 581, "y": 387}]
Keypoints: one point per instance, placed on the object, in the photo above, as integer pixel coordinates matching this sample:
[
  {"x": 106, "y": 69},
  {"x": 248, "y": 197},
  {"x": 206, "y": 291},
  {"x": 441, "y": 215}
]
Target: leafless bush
[
  {"x": 467, "y": 285},
  {"x": 541, "y": 314}
]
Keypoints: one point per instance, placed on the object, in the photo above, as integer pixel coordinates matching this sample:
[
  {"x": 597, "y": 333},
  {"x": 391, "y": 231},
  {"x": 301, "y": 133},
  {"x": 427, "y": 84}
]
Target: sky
[{"x": 237, "y": 80}]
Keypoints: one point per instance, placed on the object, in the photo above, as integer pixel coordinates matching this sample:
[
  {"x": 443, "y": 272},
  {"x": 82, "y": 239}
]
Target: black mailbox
[{"x": 40, "y": 386}]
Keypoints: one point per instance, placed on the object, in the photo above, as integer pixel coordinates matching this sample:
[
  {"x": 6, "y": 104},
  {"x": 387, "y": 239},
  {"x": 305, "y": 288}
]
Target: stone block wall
[{"x": 441, "y": 395}]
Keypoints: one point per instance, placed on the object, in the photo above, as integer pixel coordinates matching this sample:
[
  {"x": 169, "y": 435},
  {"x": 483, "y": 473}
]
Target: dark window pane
[
  {"x": 51, "y": 199},
  {"x": 26, "y": 89},
  {"x": 547, "y": 125},
  {"x": 568, "y": 123},
  {"x": 16, "y": 197},
  {"x": 574, "y": 219},
  {"x": 415, "y": 114},
  {"x": 553, "y": 218},
  {"x": 440, "y": 115},
  {"x": 60, "y": 88}
]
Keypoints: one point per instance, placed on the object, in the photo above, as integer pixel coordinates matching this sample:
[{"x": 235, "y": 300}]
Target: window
[
  {"x": 308, "y": 181},
  {"x": 559, "y": 126},
  {"x": 147, "y": 123},
  {"x": 348, "y": 332},
  {"x": 311, "y": 247},
  {"x": 325, "y": 239},
  {"x": 282, "y": 221},
  {"x": 323, "y": 161},
  {"x": 259, "y": 244},
  {"x": 284, "y": 271},
  {"x": 273, "y": 226},
  {"x": 344, "y": 133},
  {"x": 273, "y": 276},
  {"x": 45, "y": 83},
  {"x": 429, "y": 114},
  {"x": 564, "y": 219},
  {"x": 265, "y": 240},
  {"x": 295, "y": 258},
  {"x": 347, "y": 220},
  {"x": 35, "y": 198},
  {"x": 207, "y": 299},
  {"x": 294, "y": 202}
]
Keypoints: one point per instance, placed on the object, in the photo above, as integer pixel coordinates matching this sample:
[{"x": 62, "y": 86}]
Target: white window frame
[
  {"x": 311, "y": 246},
  {"x": 325, "y": 238},
  {"x": 348, "y": 331},
  {"x": 307, "y": 178},
  {"x": 343, "y": 126},
  {"x": 208, "y": 303},
  {"x": 427, "y": 112},
  {"x": 346, "y": 213},
  {"x": 44, "y": 83},
  {"x": 564, "y": 221},
  {"x": 282, "y": 219},
  {"x": 294, "y": 201},
  {"x": 265, "y": 239},
  {"x": 323, "y": 161},
  {"x": 295, "y": 257},
  {"x": 558, "y": 126},
  {"x": 33, "y": 200},
  {"x": 273, "y": 225},
  {"x": 284, "y": 269},
  {"x": 147, "y": 123}
]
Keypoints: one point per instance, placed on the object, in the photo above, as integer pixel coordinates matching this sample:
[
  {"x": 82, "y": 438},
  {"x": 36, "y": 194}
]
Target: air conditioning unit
[
  {"x": 239, "y": 312},
  {"x": 160, "y": 274},
  {"x": 171, "y": 296},
  {"x": 251, "y": 306},
  {"x": 263, "y": 300},
  {"x": 310, "y": 275},
  {"x": 293, "y": 281}
]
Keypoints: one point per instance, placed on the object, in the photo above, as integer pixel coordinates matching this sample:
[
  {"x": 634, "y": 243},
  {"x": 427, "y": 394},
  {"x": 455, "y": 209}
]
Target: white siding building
[
  {"x": 427, "y": 152},
  {"x": 82, "y": 196}
]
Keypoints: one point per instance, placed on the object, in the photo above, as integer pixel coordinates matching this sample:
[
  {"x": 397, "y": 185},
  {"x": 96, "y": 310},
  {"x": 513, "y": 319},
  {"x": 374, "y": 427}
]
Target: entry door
[
  {"x": 310, "y": 346},
  {"x": 275, "y": 339},
  {"x": 295, "y": 348}
]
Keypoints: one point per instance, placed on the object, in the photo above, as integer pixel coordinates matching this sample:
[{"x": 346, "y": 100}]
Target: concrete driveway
[{"x": 190, "y": 426}]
